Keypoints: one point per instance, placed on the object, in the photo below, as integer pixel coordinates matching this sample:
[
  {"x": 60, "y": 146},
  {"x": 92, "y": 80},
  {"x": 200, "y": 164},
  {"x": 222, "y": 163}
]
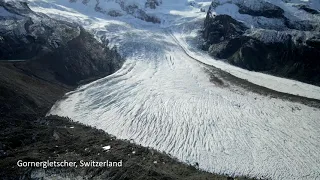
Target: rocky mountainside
[
  {"x": 51, "y": 49},
  {"x": 276, "y": 37}
]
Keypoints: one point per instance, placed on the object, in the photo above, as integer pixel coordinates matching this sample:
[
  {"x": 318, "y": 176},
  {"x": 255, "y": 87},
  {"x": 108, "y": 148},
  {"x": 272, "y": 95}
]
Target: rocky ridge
[
  {"x": 280, "y": 38},
  {"x": 55, "y": 50}
]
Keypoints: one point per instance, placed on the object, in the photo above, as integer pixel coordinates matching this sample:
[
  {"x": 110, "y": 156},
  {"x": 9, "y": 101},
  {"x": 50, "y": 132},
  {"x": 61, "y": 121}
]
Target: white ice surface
[{"x": 162, "y": 98}]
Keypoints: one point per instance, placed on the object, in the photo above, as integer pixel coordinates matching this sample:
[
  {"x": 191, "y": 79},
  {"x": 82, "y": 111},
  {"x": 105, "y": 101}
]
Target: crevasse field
[{"x": 164, "y": 96}]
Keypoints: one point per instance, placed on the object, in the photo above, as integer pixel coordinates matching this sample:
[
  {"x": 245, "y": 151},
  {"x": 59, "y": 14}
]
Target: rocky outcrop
[
  {"x": 269, "y": 10},
  {"x": 308, "y": 9},
  {"x": 53, "y": 50},
  {"x": 221, "y": 28},
  {"x": 152, "y": 4},
  {"x": 289, "y": 49},
  {"x": 124, "y": 7},
  {"x": 137, "y": 12}
]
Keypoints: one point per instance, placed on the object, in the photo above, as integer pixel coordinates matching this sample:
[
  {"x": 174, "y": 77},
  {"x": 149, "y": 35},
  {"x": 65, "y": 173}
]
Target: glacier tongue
[
  {"x": 169, "y": 104},
  {"x": 163, "y": 98}
]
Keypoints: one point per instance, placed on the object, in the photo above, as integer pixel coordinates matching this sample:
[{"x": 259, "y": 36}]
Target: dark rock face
[
  {"x": 152, "y": 4},
  {"x": 135, "y": 11},
  {"x": 293, "y": 52},
  {"x": 140, "y": 14},
  {"x": 308, "y": 9},
  {"x": 114, "y": 13},
  {"x": 54, "y": 50},
  {"x": 266, "y": 10},
  {"x": 81, "y": 58},
  {"x": 285, "y": 59},
  {"x": 221, "y": 28}
]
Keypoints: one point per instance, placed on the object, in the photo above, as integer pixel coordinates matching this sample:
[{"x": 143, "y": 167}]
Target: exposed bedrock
[
  {"x": 53, "y": 50},
  {"x": 291, "y": 49}
]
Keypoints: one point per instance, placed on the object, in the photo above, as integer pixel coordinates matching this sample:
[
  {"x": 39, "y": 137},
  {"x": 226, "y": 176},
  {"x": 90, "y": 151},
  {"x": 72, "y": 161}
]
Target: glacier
[{"x": 172, "y": 97}]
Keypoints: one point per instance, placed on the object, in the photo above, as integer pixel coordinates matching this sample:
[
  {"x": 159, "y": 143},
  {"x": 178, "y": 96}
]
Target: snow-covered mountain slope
[
  {"x": 272, "y": 14},
  {"x": 164, "y": 98}
]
